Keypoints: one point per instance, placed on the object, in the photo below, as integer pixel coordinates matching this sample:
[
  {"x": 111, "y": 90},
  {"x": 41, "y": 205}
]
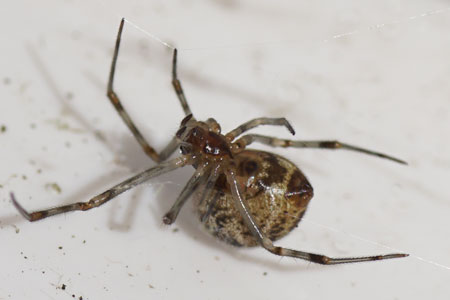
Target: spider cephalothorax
[
  {"x": 203, "y": 139},
  {"x": 244, "y": 197}
]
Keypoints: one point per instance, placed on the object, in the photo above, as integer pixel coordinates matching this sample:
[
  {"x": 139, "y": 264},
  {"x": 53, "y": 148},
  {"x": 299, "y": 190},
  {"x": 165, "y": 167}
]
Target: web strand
[
  {"x": 357, "y": 237},
  {"x": 150, "y": 35},
  {"x": 376, "y": 27},
  {"x": 381, "y": 26}
]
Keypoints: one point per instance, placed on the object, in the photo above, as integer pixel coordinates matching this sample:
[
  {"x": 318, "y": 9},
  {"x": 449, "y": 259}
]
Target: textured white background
[{"x": 382, "y": 87}]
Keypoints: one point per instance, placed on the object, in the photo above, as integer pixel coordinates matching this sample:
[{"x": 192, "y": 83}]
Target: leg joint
[{"x": 330, "y": 144}]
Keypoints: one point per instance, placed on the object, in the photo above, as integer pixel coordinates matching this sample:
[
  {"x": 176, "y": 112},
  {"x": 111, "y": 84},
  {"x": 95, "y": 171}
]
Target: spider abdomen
[{"x": 275, "y": 190}]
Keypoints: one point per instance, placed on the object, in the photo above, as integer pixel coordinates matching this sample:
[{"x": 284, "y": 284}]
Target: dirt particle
[
  {"x": 53, "y": 186},
  {"x": 17, "y": 229},
  {"x": 99, "y": 135}
]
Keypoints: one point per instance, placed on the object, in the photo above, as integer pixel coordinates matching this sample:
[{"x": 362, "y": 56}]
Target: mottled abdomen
[{"x": 275, "y": 190}]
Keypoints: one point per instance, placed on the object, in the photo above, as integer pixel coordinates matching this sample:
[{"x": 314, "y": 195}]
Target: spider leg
[
  {"x": 210, "y": 182},
  {"x": 242, "y": 142},
  {"x": 197, "y": 179},
  {"x": 256, "y": 122},
  {"x": 265, "y": 242},
  {"x": 211, "y": 205},
  {"x": 107, "y": 195},
  {"x": 177, "y": 85},
  {"x": 150, "y": 151}
]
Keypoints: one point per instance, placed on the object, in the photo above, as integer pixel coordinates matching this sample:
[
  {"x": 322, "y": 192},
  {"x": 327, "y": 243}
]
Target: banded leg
[
  {"x": 242, "y": 142},
  {"x": 196, "y": 180},
  {"x": 107, "y": 195},
  {"x": 265, "y": 242},
  {"x": 256, "y": 122},
  {"x": 210, "y": 182},
  {"x": 150, "y": 151},
  {"x": 177, "y": 85}
]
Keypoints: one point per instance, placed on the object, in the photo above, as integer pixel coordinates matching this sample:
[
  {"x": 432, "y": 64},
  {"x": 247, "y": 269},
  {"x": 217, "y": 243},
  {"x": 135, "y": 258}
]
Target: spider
[{"x": 244, "y": 197}]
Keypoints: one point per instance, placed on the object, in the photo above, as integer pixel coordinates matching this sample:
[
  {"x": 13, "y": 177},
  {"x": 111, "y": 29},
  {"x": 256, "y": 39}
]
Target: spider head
[{"x": 202, "y": 138}]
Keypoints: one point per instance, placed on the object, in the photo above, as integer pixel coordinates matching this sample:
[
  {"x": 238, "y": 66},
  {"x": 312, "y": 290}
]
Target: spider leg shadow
[{"x": 49, "y": 80}]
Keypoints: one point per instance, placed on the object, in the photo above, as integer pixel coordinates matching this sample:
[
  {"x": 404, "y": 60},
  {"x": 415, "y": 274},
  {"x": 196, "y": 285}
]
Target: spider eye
[{"x": 185, "y": 148}]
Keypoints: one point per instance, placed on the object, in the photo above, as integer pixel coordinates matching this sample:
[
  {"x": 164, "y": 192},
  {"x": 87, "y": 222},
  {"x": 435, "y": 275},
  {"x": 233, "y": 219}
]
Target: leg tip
[
  {"x": 289, "y": 127},
  {"x": 168, "y": 219},
  {"x": 390, "y": 256},
  {"x": 403, "y": 255},
  {"x": 21, "y": 210}
]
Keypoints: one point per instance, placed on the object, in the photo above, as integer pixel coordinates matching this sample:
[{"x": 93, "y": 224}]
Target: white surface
[{"x": 382, "y": 87}]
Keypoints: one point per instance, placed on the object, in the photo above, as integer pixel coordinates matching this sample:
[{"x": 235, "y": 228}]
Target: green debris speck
[{"x": 54, "y": 187}]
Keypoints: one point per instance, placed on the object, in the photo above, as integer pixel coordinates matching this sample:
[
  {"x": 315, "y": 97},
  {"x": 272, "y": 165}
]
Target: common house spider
[{"x": 244, "y": 197}]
